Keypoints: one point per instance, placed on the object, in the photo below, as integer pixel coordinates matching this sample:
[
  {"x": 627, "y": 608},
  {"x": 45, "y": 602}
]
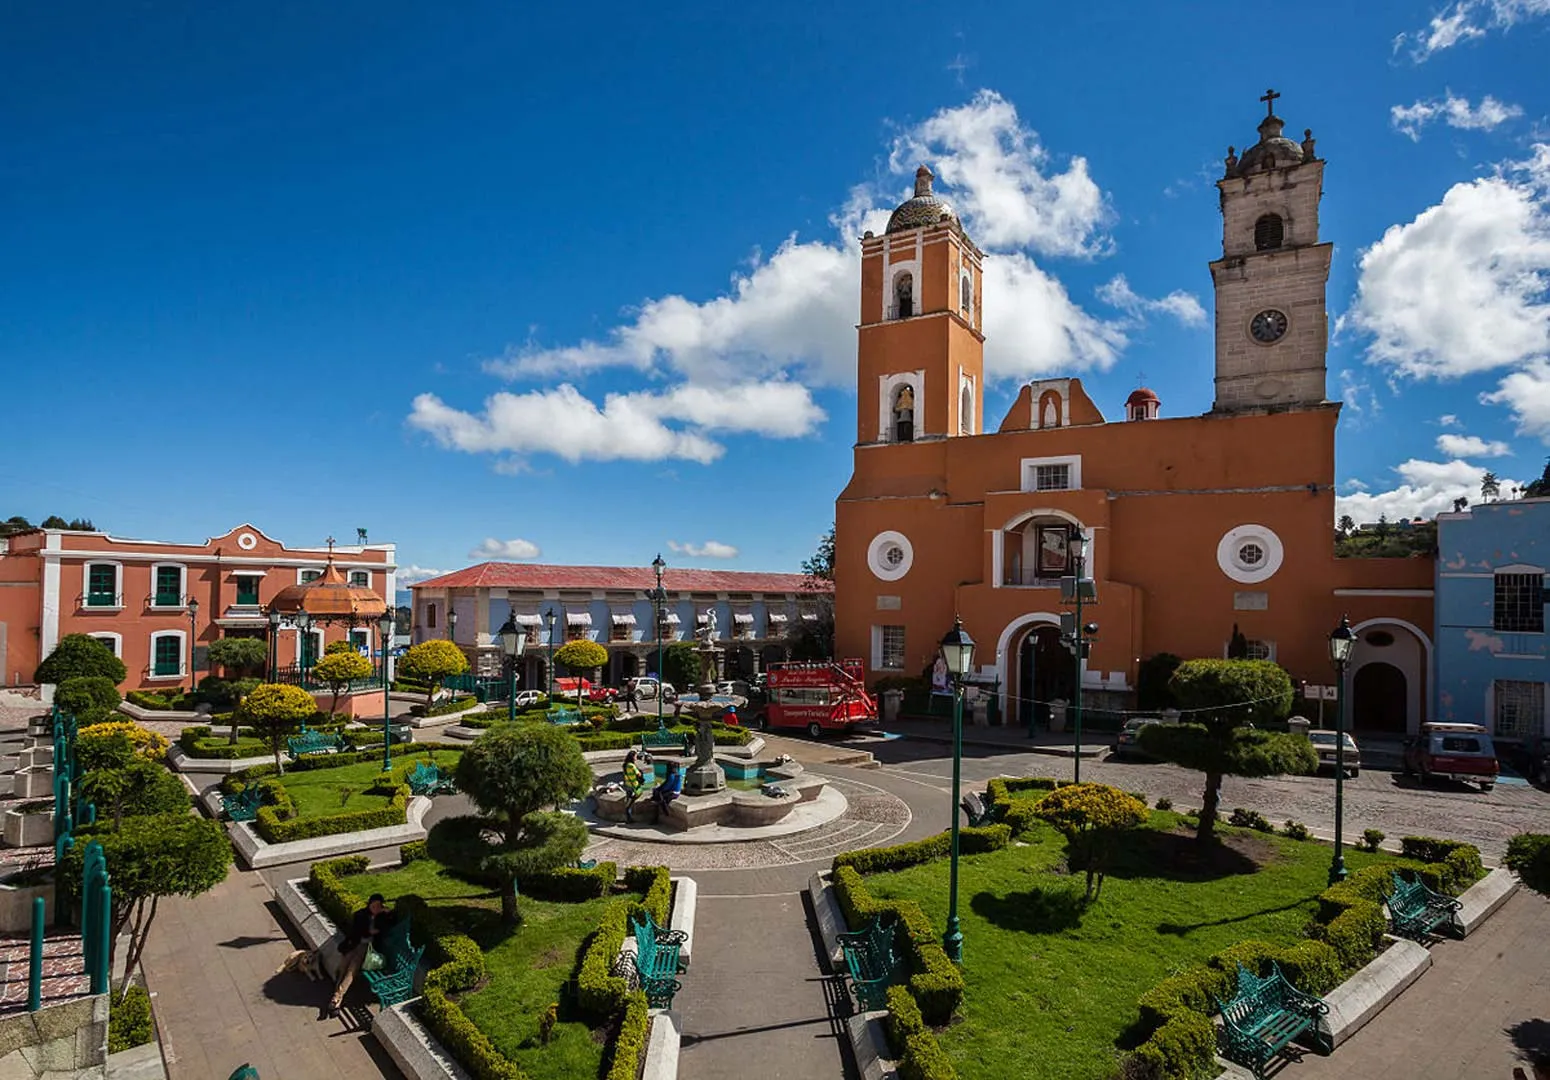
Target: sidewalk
[{"x": 1016, "y": 739}]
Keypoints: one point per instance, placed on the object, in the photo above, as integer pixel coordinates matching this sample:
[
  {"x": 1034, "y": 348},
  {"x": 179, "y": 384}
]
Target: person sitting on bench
[
  {"x": 669, "y": 789},
  {"x": 634, "y": 781}
]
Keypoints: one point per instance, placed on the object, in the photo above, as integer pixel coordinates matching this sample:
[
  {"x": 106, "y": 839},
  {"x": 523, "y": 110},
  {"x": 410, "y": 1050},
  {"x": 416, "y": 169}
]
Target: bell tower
[
  {"x": 1272, "y": 331},
  {"x": 920, "y": 357}
]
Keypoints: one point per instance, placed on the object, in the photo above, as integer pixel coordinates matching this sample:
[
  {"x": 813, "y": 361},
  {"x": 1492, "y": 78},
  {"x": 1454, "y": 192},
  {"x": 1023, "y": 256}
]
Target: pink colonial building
[{"x": 158, "y": 605}]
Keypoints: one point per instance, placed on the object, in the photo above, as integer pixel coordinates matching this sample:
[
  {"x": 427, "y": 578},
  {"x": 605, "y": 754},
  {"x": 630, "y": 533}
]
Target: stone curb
[
  {"x": 179, "y": 761},
  {"x": 1368, "y": 992},
  {"x": 1482, "y": 899},
  {"x": 137, "y": 1063},
  {"x": 868, "y": 1040},
  {"x": 662, "y": 1046},
  {"x": 257, "y": 854},
  {"x": 133, "y": 711},
  {"x": 686, "y": 895},
  {"x": 415, "y": 1051}
]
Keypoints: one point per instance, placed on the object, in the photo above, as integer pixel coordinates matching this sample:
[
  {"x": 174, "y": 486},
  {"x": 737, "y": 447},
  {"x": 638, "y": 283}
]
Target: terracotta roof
[
  {"x": 329, "y": 596},
  {"x": 506, "y": 575}
]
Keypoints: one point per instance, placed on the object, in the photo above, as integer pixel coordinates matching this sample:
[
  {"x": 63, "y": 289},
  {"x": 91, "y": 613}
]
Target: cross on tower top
[
  {"x": 330, "y": 543},
  {"x": 1270, "y": 102}
]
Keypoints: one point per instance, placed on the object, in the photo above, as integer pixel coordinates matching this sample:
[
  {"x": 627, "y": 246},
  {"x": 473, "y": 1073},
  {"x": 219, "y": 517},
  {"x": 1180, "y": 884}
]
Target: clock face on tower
[{"x": 1268, "y": 326}]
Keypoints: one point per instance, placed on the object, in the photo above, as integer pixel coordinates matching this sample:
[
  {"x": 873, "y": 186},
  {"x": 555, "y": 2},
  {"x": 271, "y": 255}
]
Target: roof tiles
[{"x": 506, "y": 575}]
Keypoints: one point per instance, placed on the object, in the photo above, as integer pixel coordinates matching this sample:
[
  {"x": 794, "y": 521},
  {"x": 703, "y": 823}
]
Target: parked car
[
  {"x": 529, "y": 699},
  {"x": 601, "y": 695},
  {"x": 1127, "y": 741},
  {"x": 1455, "y": 751},
  {"x": 733, "y": 687},
  {"x": 1324, "y": 745},
  {"x": 646, "y": 687}
]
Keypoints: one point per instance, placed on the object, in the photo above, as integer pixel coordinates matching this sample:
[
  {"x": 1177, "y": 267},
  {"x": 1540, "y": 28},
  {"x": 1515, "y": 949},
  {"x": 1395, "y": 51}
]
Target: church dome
[
  {"x": 924, "y": 209},
  {"x": 1141, "y": 397},
  {"x": 1273, "y": 151}
]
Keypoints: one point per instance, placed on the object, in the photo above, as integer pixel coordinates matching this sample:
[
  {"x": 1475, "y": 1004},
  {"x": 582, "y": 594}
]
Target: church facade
[{"x": 1193, "y": 527}]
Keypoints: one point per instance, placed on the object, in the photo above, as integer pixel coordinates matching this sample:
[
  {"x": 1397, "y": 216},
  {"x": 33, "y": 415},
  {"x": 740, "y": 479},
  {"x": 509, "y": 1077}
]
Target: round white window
[
  {"x": 247, "y": 541},
  {"x": 1249, "y": 554},
  {"x": 889, "y": 555}
]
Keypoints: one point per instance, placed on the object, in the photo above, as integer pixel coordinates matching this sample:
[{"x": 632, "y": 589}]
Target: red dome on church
[{"x": 1141, "y": 396}]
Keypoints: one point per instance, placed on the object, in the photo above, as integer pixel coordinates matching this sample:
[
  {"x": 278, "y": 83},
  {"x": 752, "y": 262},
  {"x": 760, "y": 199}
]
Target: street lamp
[
  {"x": 513, "y": 642},
  {"x": 303, "y": 643},
  {"x": 275, "y": 619},
  {"x": 958, "y": 655},
  {"x": 1077, "y": 634},
  {"x": 549, "y": 615},
  {"x": 451, "y": 623},
  {"x": 1341, "y": 641},
  {"x": 384, "y": 637},
  {"x": 658, "y": 597},
  {"x": 193, "y": 642}
]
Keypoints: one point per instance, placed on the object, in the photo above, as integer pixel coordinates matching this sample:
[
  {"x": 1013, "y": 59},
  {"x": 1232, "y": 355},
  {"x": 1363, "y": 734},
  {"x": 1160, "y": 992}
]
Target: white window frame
[
  {"x": 887, "y": 387},
  {"x": 966, "y": 278},
  {"x": 1028, "y": 470},
  {"x": 182, "y": 636},
  {"x": 350, "y": 637},
  {"x": 182, "y": 570},
  {"x": 879, "y": 632},
  {"x": 350, "y": 578},
  {"x": 106, "y": 636},
  {"x": 890, "y": 298},
  {"x": 300, "y": 570},
  {"x": 966, "y": 382},
  {"x": 118, "y": 585}
]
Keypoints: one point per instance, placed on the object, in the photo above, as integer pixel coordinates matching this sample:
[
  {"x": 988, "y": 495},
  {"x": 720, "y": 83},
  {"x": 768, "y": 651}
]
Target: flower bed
[
  {"x": 490, "y": 984},
  {"x": 201, "y": 741}
]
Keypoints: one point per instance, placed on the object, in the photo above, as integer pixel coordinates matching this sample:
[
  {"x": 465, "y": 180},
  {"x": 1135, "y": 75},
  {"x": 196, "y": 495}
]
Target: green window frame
[
  {"x": 310, "y": 575},
  {"x": 102, "y": 585},
  {"x": 169, "y": 586},
  {"x": 247, "y": 589},
  {"x": 167, "y": 655}
]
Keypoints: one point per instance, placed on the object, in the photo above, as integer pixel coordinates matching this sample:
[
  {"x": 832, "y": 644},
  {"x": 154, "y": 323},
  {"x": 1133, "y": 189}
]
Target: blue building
[{"x": 1492, "y": 663}]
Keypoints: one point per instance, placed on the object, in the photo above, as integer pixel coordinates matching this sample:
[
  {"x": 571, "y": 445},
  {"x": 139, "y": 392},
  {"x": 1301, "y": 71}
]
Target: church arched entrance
[
  {"x": 1379, "y": 696},
  {"x": 1046, "y": 671}
]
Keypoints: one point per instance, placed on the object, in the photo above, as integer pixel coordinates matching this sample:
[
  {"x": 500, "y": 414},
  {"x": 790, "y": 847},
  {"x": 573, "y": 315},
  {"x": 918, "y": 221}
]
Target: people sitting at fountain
[
  {"x": 633, "y": 783},
  {"x": 729, "y": 718},
  {"x": 669, "y": 789}
]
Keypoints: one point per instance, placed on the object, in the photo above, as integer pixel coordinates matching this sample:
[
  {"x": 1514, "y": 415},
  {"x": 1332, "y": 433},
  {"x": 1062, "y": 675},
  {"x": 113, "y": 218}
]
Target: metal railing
[
  {"x": 296, "y": 675},
  {"x": 1029, "y": 579}
]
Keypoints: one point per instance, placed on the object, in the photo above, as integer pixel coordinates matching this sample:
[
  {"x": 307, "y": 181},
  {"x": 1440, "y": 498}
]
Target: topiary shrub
[
  {"x": 129, "y": 1020},
  {"x": 89, "y": 698},
  {"x": 1250, "y": 819},
  {"x": 1294, "y": 830},
  {"x": 79, "y": 655},
  {"x": 630, "y": 1043}
]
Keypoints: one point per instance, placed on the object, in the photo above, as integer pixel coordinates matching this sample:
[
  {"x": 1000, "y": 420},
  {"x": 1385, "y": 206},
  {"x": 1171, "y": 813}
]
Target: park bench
[
  {"x": 394, "y": 981},
  {"x": 426, "y": 779},
  {"x": 1417, "y": 911},
  {"x": 312, "y": 742},
  {"x": 584, "y": 864},
  {"x": 664, "y": 740},
  {"x": 242, "y": 806},
  {"x": 873, "y": 961},
  {"x": 980, "y": 810},
  {"x": 1265, "y": 1015},
  {"x": 656, "y": 959},
  {"x": 564, "y": 717}
]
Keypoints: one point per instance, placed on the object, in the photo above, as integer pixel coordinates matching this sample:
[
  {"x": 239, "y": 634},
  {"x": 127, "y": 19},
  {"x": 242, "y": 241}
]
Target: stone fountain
[{"x": 705, "y": 776}]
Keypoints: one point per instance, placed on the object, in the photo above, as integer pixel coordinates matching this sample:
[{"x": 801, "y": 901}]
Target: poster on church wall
[{"x": 1054, "y": 551}]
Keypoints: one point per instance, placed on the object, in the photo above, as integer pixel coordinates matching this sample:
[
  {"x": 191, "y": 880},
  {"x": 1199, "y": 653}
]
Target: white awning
[
  {"x": 624, "y": 619},
  {"x": 671, "y": 618},
  {"x": 578, "y": 618},
  {"x": 776, "y": 616},
  {"x": 809, "y": 617},
  {"x": 702, "y": 619},
  {"x": 528, "y": 620},
  {"x": 742, "y": 618}
]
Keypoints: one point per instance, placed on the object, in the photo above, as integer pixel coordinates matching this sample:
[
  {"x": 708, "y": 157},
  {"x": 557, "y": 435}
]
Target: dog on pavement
[{"x": 304, "y": 961}]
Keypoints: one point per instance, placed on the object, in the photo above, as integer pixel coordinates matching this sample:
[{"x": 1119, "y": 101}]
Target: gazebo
[{"x": 327, "y": 598}]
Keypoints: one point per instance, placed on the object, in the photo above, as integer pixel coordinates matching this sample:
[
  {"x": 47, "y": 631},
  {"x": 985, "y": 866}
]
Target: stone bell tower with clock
[{"x": 1272, "y": 331}]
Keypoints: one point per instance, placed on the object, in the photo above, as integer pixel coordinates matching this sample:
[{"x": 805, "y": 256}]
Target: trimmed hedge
[
  {"x": 1021, "y": 814},
  {"x": 971, "y": 841},
  {"x": 630, "y": 1043},
  {"x": 234, "y": 783},
  {"x": 277, "y": 824},
  {"x": 1460, "y": 862},
  {"x": 201, "y": 741},
  {"x": 571, "y": 884},
  {"x": 913, "y": 1045},
  {"x": 446, "y": 708},
  {"x": 159, "y": 700},
  {"x": 129, "y": 1020}
]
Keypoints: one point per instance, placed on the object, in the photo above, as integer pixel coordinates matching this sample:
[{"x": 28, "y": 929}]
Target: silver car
[{"x": 1324, "y": 746}]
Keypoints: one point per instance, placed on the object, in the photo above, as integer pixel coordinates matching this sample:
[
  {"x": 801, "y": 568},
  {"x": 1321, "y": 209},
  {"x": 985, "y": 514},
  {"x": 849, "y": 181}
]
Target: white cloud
[
  {"x": 1463, "y": 446},
  {"x": 1465, "y": 20},
  {"x": 1462, "y": 289},
  {"x": 710, "y": 549},
  {"x": 1426, "y": 489},
  {"x": 1448, "y": 420},
  {"x": 1354, "y": 484},
  {"x": 1453, "y": 110},
  {"x": 493, "y": 550},
  {"x": 1179, "y": 304},
  {"x": 409, "y": 575}
]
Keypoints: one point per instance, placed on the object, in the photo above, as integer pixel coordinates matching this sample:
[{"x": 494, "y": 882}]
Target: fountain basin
[{"x": 742, "y": 805}]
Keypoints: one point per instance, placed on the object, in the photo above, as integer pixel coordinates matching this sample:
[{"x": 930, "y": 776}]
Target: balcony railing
[
  {"x": 294, "y": 675},
  {"x": 1029, "y": 579},
  {"x": 102, "y": 600},
  {"x": 167, "y": 600}
]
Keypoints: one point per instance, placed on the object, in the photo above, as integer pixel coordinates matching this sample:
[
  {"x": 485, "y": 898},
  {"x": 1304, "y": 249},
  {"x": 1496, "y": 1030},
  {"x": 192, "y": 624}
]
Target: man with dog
[{"x": 366, "y": 927}]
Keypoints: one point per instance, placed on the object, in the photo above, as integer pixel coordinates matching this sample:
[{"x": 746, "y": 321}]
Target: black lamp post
[
  {"x": 384, "y": 639},
  {"x": 451, "y": 622},
  {"x": 275, "y": 618},
  {"x": 193, "y": 642},
  {"x": 958, "y": 655},
  {"x": 303, "y": 643},
  {"x": 659, "y": 597},
  {"x": 549, "y": 616},
  {"x": 1341, "y": 642},
  {"x": 513, "y": 642}
]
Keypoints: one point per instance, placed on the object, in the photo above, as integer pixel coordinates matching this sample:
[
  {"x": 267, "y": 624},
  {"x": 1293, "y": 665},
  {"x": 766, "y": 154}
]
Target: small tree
[
  {"x": 1152, "y": 690},
  {"x": 1092, "y": 817},
  {"x": 334, "y": 647},
  {"x": 1346, "y": 525},
  {"x": 1225, "y": 699},
  {"x": 239, "y": 657},
  {"x": 513, "y": 775},
  {"x": 274, "y": 711},
  {"x": 580, "y": 657},
  {"x": 430, "y": 662},
  {"x": 148, "y": 858},
  {"x": 148, "y": 744},
  {"x": 1490, "y": 486},
  {"x": 77, "y": 655},
  {"x": 91, "y": 699},
  {"x": 1528, "y": 856},
  {"x": 339, "y": 669},
  {"x": 120, "y": 781},
  {"x": 682, "y": 664},
  {"x": 1538, "y": 489}
]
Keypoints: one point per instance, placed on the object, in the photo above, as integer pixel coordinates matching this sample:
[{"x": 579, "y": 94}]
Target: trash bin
[
  {"x": 1298, "y": 725},
  {"x": 892, "y": 702},
  {"x": 1057, "y": 716}
]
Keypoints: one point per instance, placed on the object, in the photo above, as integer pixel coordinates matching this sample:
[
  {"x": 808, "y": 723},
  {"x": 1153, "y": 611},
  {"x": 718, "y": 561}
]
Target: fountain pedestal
[{"x": 704, "y": 777}]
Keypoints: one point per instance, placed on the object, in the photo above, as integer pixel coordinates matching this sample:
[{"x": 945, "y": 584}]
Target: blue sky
[{"x": 578, "y": 282}]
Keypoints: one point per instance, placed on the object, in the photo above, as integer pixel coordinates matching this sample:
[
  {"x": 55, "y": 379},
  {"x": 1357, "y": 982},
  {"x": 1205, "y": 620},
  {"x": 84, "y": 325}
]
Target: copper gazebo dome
[{"x": 330, "y": 598}]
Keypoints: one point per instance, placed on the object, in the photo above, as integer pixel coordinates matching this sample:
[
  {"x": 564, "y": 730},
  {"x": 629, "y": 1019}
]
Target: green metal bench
[
  {"x": 1265, "y": 1015},
  {"x": 394, "y": 982},
  {"x": 1416, "y": 911},
  {"x": 664, "y": 740},
  {"x": 873, "y": 961},
  {"x": 564, "y": 717},
  {"x": 244, "y": 1072},
  {"x": 584, "y": 864},
  {"x": 656, "y": 959},
  {"x": 242, "y": 806},
  {"x": 980, "y": 810},
  {"x": 312, "y": 742},
  {"x": 426, "y": 779}
]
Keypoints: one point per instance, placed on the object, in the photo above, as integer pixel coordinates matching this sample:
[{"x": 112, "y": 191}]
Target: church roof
[
  {"x": 1274, "y": 150},
  {"x": 1140, "y": 395},
  {"x": 923, "y": 209}
]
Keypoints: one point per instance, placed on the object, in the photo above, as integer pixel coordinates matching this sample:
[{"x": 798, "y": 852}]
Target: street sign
[
  {"x": 1069, "y": 586},
  {"x": 1320, "y": 693}
]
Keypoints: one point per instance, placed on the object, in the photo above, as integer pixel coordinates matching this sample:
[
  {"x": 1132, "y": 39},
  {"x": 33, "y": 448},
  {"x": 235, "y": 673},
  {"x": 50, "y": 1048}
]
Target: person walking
[
  {"x": 634, "y": 781},
  {"x": 669, "y": 789},
  {"x": 366, "y": 927}
]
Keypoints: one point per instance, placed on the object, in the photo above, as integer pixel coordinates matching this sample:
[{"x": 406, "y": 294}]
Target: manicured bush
[
  {"x": 155, "y": 700},
  {"x": 129, "y": 1020},
  {"x": 903, "y": 1020},
  {"x": 89, "y": 698},
  {"x": 656, "y": 883},
  {"x": 275, "y": 825},
  {"x": 1294, "y": 830},
  {"x": 571, "y": 883},
  {"x": 147, "y": 744},
  {"x": 77, "y": 655},
  {"x": 325, "y": 881},
  {"x": 1528, "y": 856},
  {"x": 924, "y": 1059},
  {"x": 1165, "y": 803},
  {"x": 1183, "y": 1047},
  {"x": 598, "y": 991},
  {"x": 1092, "y": 818},
  {"x": 413, "y": 851},
  {"x": 1250, "y": 819},
  {"x": 934, "y": 980},
  {"x": 971, "y": 841},
  {"x": 1372, "y": 839},
  {"x": 446, "y": 708},
  {"x": 630, "y": 1043}
]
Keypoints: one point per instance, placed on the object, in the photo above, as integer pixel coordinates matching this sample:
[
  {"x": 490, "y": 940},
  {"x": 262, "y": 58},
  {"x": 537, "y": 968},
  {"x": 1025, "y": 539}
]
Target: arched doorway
[
  {"x": 1046, "y": 671},
  {"x": 743, "y": 663},
  {"x": 1379, "y": 696}
]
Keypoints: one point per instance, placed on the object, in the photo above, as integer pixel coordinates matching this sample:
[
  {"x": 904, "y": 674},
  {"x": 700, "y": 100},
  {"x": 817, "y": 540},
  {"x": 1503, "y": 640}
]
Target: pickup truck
[{"x": 1454, "y": 751}]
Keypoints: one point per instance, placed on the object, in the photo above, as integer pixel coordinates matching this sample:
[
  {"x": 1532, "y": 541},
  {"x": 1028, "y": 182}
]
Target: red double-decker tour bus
[{"x": 818, "y": 695}]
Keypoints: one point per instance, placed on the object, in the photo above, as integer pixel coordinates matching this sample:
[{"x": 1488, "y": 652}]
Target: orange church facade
[{"x": 1192, "y": 525}]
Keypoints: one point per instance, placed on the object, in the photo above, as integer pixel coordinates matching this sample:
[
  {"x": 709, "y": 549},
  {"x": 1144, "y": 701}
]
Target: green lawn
[
  {"x": 528, "y": 966},
  {"x": 1051, "y": 985},
  {"x": 321, "y": 792}
]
